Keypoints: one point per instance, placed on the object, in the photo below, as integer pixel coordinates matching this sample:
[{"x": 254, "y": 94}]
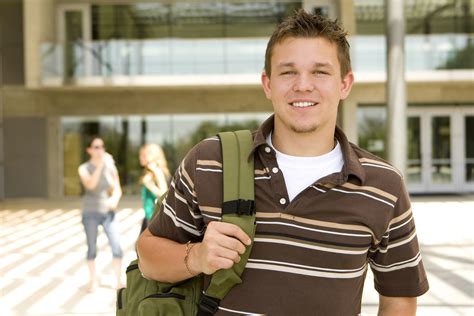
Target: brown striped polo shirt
[{"x": 310, "y": 256}]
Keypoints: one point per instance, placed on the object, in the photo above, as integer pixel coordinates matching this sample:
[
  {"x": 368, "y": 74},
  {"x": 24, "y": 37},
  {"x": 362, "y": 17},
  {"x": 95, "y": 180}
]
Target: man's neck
[{"x": 316, "y": 143}]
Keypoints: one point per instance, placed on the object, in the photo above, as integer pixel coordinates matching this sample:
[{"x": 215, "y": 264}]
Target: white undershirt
[{"x": 301, "y": 172}]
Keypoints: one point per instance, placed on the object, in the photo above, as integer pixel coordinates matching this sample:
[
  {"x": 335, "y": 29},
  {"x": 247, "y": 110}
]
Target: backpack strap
[{"x": 238, "y": 207}]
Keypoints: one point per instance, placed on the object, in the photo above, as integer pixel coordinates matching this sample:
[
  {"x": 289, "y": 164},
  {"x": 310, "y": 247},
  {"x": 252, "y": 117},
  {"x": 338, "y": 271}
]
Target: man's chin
[{"x": 303, "y": 129}]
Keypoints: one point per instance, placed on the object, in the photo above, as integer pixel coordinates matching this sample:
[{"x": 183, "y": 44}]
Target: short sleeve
[
  {"x": 397, "y": 264},
  {"x": 179, "y": 218}
]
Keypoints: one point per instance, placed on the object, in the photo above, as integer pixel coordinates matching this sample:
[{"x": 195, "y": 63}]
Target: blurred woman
[
  {"x": 154, "y": 179},
  {"x": 102, "y": 193}
]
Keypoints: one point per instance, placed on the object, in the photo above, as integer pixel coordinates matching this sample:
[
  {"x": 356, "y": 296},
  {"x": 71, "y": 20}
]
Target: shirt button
[
  {"x": 275, "y": 170},
  {"x": 282, "y": 201},
  {"x": 267, "y": 149}
]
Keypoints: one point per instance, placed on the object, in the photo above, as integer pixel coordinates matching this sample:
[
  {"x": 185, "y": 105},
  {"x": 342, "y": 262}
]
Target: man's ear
[
  {"x": 346, "y": 86},
  {"x": 266, "y": 85}
]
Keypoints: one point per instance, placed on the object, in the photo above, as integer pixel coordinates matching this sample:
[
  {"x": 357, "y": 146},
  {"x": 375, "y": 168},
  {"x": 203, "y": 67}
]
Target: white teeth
[{"x": 303, "y": 104}]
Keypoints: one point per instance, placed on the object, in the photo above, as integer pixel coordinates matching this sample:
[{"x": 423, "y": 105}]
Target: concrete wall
[
  {"x": 57, "y": 102},
  {"x": 11, "y": 64},
  {"x": 25, "y": 157}
]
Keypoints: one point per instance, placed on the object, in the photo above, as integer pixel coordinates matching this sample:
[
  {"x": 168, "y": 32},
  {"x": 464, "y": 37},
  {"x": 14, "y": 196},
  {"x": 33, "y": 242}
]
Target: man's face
[{"x": 305, "y": 85}]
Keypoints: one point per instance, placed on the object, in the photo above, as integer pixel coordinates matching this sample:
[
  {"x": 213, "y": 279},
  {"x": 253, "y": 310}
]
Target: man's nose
[{"x": 303, "y": 82}]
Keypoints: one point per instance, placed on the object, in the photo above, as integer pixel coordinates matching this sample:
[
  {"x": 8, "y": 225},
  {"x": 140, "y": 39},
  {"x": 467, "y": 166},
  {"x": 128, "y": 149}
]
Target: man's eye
[
  {"x": 288, "y": 73},
  {"x": 321, "y": 72}
]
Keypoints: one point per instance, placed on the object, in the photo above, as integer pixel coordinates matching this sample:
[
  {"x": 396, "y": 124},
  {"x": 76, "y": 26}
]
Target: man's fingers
[
  {"x": 223, "y": 244},
  {"x": 222, "y": 263},
  {"x": 231, "y": 230},
  {"x": 228, "y": 254},
  {"x": 231, "y": 243}
]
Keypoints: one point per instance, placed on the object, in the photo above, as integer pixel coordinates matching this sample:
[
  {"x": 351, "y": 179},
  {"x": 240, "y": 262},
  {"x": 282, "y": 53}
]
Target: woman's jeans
[{"x": 91, "y": 222}]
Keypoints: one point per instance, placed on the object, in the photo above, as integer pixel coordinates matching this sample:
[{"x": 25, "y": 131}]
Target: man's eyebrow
[
  {"x": 288, "y": 64},
  {"x": 316, "y": 65},
  {"x": 321, "y": 65}
]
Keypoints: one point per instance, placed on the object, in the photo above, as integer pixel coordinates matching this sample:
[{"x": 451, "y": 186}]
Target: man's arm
[
  {"x": 397, "y": 306},
  {"x": 163, "y": 259}
]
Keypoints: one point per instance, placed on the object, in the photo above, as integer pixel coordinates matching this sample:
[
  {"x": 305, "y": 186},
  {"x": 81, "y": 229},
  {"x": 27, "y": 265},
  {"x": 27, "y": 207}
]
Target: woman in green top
[{"x": 154, "y": 178}]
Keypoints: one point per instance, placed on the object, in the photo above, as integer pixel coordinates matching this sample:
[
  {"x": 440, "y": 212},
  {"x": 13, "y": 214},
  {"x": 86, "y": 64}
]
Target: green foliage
[
  {"x": 175, "y": 153},
  {"x": 461, "y": 59},
  {"x": 373, "y": 131}
]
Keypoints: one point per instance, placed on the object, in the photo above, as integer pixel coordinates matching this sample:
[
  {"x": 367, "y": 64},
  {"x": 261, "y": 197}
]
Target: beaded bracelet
[{"x": 189, "y": 246}]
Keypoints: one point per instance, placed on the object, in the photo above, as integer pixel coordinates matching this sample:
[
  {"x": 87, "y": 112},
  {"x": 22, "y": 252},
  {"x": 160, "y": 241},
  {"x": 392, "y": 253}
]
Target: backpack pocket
[
  {"x": 160, "y": 304},
  {"x": 144, "y": 297},
  {"x": 180, "y": 299}
]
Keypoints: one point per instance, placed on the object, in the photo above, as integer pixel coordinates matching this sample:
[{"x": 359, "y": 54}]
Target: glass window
[
  {"x": 181, "y": 37},
  {"x": 441, "y": 170},
  {"x": 123, "y": 136},
  {"x": 372, "y": 129},
  {"x": 72, "y": 49},
  {"x": 421, "y": 17},
  {"x": 139, "y": 21},
  {"x": 186, "y": 19},
  {"x": 256, "y": 19},
  {"x": 439, "y": 35},
  {"x": 414, "y": 166}
]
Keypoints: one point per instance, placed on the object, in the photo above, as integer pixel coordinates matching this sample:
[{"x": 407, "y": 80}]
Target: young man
[{"x": 325, "y": 208}]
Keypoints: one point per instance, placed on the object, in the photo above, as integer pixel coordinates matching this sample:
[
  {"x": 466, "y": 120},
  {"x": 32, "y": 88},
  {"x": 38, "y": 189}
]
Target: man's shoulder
[
  {"x": 378, "y": 171},
  {"x": 363, "y": 155},
  {"x": 208, "y": 150}
]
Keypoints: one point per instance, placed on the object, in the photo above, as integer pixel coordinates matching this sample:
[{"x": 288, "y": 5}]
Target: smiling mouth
[{"x": 303, "y": 104}]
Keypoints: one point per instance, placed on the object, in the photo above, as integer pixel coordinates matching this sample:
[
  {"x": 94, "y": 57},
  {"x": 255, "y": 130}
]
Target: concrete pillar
[
  {"x": 396, "y": 90},
  {"x": 349, "y": 122},
  {"x": 348, "y": 108},
  {"x": 346, "y": 15},
  {"x": 38, "y": 28},
  {"x": 55, "y": 157}
]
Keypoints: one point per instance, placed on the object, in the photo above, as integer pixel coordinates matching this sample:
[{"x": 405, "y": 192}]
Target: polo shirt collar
[{"x": 352, "y": 165}]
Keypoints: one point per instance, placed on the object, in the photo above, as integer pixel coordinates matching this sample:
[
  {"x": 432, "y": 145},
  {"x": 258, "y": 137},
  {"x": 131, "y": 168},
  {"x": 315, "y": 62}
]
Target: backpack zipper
[{"x": 166, "y": 295}]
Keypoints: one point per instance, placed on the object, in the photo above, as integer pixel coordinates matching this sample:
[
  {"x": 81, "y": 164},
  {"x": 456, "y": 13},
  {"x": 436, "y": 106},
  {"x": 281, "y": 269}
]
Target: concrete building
[{"x": 137, "y": 71}]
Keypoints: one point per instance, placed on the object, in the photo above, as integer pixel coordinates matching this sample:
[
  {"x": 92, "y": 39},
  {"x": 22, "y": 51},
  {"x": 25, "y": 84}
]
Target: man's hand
[{"x": 221, "y": 247}]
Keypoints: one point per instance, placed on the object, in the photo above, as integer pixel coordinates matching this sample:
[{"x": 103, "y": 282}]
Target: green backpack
[{"x": 144, "y": 297}]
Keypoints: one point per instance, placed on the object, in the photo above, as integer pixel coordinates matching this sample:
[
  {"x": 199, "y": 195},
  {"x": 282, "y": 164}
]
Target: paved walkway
[{"x": 42, "y": 249}]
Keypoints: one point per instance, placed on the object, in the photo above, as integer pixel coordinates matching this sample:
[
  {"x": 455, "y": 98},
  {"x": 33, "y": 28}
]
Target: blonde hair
[{"x": 155, "y": 154}]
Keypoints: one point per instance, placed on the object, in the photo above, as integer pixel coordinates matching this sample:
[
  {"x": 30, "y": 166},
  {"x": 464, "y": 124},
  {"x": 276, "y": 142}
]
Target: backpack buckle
[
  {"x": 208, "y": 305},
  {"x": 239, "y": 207}
]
